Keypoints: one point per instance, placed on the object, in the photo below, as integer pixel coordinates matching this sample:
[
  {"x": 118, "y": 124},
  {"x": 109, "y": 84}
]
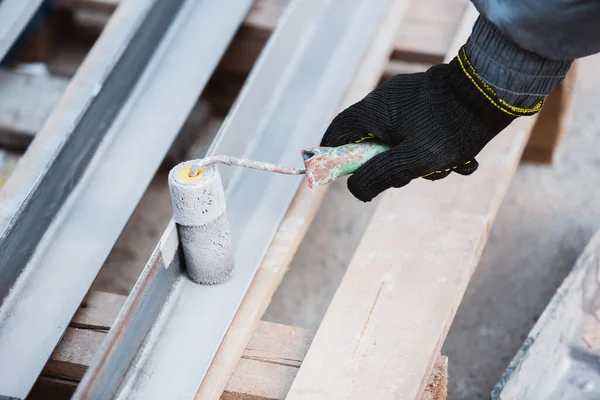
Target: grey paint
[
  {"x": 32, "y": 317},
  {"x": 292, "y": 94},
  {"x": 84, "y": 173},
  {"x": 14, "y": 17}
]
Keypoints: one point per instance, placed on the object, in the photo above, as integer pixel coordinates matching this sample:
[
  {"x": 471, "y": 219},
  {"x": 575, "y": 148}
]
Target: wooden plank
[
  {"x": 255, "y": 380},
  {"x": 428, "y": 29},
  {"x": 437, "y": 386},
  {"x": 98, "y": 311},
  {"x": 266, "y": 370},
  {"x": 52, "y": 388},
  {"x": 389, "y": 318},
  {"x": 74, "y": 354},
  {"x": 26, "y": 101},
  {"x": 278, "y": 344},
  {"x": 293, "y": 227},
  {"x": 551, "y": 124}
]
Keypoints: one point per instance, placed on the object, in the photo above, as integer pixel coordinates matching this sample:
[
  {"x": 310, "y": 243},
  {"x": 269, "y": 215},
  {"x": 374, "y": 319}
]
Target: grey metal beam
[
  {"x": 170, "y": 328},
  {"x": 14, "y": 17},
  {"x": 66, "y": 203}
]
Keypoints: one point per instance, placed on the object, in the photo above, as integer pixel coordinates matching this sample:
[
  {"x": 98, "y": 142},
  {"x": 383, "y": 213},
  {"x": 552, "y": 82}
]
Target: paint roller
[{"x": 199, "y": 201}]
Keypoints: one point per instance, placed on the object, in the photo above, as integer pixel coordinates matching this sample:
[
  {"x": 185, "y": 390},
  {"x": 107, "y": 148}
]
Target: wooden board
[
  {"x": 551, "y": 123},
  {"x": 437, "y": 386},
  {"x": 26, "y": 101},
  {"x": 428, "y": 29},
  {"x": 389, "y": 318},
  {"x": 293, "y": 227}
]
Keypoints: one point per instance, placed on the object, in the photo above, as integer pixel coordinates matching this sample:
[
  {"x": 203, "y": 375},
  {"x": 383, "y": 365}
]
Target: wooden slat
[
  {"x": 98, "y": 311},
  {"x": 266, "y": 370},
  {"x": 388, "y": 319},
  {"x": 294, "y": 225},
  {"x": 26, "y": 101},
  {"x": 428, "y": 29},
  {"x": 437, "y": 386},
  {"x": 269, "y": 363},
  {"x": 74, "y": 354},
  {"x": 46, "y": 388},
  {"x": 107, "y": 6},
  {"x": 278, "y": 344},
  {"x": 551, "y": 123}
]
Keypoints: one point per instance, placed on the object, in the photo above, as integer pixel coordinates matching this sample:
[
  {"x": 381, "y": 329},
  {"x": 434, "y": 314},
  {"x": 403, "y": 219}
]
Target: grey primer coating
[
  {"x": 560, "y": 359},
  {"x": 170, "y": 328},
  {"x": 14, "y": 17},
  {"x": 200, "y": 214},
  {"x": 67, "y": 202}
]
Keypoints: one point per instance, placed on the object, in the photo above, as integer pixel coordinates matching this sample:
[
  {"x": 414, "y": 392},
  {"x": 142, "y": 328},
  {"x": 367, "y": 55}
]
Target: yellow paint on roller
[{"x": 183, "y": 175}]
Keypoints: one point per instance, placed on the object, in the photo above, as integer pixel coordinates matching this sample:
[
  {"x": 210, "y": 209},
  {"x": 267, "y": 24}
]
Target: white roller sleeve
[{"x": 200, "y": 213}]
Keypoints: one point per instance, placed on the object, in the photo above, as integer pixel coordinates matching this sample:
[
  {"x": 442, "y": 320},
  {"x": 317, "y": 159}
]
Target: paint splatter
[{"x": 325, "y": 164}]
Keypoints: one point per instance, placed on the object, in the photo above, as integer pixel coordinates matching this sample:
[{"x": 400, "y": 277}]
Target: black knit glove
[{"x": 436, "y": 123}]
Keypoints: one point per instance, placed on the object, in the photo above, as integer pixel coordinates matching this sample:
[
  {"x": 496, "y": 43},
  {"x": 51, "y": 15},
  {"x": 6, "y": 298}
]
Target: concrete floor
[{"x": 548, "y": 216}]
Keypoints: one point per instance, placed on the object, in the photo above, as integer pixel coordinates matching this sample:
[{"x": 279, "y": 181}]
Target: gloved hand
[{"x": 436, "y": 123}]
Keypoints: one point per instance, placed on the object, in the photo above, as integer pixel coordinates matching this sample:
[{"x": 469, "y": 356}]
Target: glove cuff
[
  {"x": 471, "y": 87},
  {"x": 518, "y": 76}
]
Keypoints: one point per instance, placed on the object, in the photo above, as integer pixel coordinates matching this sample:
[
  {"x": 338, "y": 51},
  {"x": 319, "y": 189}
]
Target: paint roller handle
[{"x": 325, "y": 164}]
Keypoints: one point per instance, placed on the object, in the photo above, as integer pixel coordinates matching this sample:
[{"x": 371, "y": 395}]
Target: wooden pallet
[
  {"x": 382, "y": 334},
  {"x": 266, "y": 369}
]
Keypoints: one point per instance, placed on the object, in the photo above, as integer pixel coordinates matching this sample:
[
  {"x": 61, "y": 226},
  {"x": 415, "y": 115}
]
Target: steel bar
[
  {"x": 170, "y": 328},
  {"x": 14, "y": 17},
  {"x": 69, "y": 199}
]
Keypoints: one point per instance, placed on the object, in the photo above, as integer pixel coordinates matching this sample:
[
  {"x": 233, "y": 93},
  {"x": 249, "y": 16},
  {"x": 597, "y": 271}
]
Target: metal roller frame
[
  {"x": 170, "y": 328},
  {"x": 73, "y": 191}
]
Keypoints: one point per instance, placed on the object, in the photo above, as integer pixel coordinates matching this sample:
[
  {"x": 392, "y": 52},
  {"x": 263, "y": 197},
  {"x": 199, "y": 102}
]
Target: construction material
[
  {"x": 14, "y": 17},
  {"x": 387, "y": 322},
  {"x": 265, "y": 371},
  {"x": 295, "y": 223},
  {"x": 551, "y": 123},
  {"x": 430, "y": 27},
  {"x": 201, "y": 217},
  {"x": 295, "y": 87},
  {"x": 150, "y": 57},
  {"x": 559, "y": 357}
]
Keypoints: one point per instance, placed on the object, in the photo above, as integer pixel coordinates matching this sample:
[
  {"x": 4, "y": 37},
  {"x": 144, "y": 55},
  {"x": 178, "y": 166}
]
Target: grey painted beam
[
  {"x": 69, "y": 198},
  {"x": 170, "y": 328}
]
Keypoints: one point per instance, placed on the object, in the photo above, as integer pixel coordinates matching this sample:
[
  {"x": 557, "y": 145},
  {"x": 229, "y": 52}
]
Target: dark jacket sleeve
[{"x": 555, "y": 29}]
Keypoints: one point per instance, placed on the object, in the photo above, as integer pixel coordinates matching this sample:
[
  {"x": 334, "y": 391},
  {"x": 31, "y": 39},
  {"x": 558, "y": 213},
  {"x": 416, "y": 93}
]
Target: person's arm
[
  {"x": 554, "y": 29},
  {"x": 439, "y": 120}
]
